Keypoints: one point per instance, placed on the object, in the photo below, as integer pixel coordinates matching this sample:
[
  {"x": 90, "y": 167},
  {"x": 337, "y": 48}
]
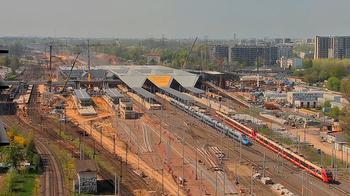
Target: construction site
[{"x": 156, "y": 130}]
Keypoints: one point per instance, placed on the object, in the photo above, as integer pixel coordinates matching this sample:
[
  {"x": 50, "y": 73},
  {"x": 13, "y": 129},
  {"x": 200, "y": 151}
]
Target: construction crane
[
  {"x": 70, "y": 72},
  {"x": 189, "y": 54}
]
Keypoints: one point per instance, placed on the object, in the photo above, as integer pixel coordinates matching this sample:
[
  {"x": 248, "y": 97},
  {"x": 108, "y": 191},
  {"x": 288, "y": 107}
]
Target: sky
[{"x": 215, "y": 19}]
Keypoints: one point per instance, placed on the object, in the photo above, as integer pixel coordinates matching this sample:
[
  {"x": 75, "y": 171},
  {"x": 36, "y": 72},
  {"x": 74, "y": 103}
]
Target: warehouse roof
[
  {"x": 82, "y": 95},
  {"x": 145, "y": 94},
  {"x": 113, "y": 93}
]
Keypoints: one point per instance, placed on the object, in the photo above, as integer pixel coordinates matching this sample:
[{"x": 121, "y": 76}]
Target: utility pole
[
  {"x": 196, "y": 164},
  {"x": 240, "y": 152},
  {"x": 162, "y": 181},
  {"x": 251, "y": 181},
  {"x": 302, "y": 183},
  {"x": 113, "y": 144},
  {"x": 115, "y": 182},
  {"x": 50, "y": 68},
  {"x": 216, "y": 183},
  {"x": 264, "y": 163}
]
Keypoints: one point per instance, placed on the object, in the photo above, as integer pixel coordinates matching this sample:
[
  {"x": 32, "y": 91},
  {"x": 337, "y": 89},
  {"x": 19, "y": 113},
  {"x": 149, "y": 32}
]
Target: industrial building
[
  {"x": 141, "y": 80},
  {"x": 304, "y": 99},
  {"x": 250, "y": 55}
]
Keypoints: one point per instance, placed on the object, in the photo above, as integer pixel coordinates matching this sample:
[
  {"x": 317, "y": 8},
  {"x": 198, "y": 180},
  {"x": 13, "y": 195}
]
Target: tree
[
  {"x": 14, "y": 154},
  {"x": 327, "y": 104},
  {"x": 345, "y": 86},
  {"x": 334, "y": 113},
  {"x": 333, "y": 83}
]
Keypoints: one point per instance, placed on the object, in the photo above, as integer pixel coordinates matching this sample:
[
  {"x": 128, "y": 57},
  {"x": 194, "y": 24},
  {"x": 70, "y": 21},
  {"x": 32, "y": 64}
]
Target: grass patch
[{"x": 22, "y": 183}]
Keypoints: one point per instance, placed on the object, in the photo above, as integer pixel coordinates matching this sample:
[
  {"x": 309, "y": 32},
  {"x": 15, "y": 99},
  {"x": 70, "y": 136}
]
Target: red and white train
[{"x": 321, "y": 173}]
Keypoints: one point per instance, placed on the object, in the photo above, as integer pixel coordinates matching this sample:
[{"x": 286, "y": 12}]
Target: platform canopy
[
  {"x": 82, "y": 95},
  {"x": 144, "y": 93},
  {"x": 195, "y": 90},
  {"x": 177, "y": 94},
  {"x": 136, "y": 75},
  {"x": 113, "y": 93}
]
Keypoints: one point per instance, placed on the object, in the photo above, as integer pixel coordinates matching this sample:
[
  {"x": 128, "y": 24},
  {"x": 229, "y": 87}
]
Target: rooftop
[{"x": 85, "y": 166}]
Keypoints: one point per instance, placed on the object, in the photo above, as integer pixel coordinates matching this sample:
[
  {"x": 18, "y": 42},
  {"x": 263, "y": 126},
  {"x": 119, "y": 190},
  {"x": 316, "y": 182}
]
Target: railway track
[
  {"x": 129, "y": 177},
  {"x": 255, "y": 157}
]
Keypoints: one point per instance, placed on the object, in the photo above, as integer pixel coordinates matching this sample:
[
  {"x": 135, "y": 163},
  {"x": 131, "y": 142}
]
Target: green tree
[
  {"x": 327, "y": 104},
  {"x": 334, "y": 113},
  {"x": 333, "y": 83},
  {"x": 345, "y": 86},
  {"x": 14, "y": 154}
]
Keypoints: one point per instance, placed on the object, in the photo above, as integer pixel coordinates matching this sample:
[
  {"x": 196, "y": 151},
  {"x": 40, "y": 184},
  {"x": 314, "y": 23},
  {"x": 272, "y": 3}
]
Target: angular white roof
[{"x": 135, "y": 75}]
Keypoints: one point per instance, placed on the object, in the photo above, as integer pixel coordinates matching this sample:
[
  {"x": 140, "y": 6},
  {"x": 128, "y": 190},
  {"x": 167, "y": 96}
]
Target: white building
[
  {"x": 291, "y": 62},
  {"x": 86, "y": 176},
  {"x": 305, "y": 99}
]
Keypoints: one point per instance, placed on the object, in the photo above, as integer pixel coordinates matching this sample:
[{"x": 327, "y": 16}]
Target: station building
[{"x": 142, "y": 80}]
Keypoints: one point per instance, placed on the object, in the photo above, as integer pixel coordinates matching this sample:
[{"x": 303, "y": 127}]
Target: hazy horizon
[{"x": 176, "y": 19}]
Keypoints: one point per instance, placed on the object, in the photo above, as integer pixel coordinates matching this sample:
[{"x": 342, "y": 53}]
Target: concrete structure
[
  {"x": 113, "y": 94},
  {"x": 249, "y": 55},
  {"x": 126, "y": 108},
  {"x": 336, "y": 100},
  {"x": 304, "y": 99},
  {"x": 332, "y": 47},
  {"x": 291, "y": 62},
  {"x": 153, "y": 58},
  {"x": 219, "y": 52},
  {"x": 3, "y": 136},
  {"x": 306, "y": 55},
  {"x": 284, "y": 50},
  {"x": 86, "y": 176},
  {"x": 83, "y": 98},
  {"x": 274, "y": 95}
]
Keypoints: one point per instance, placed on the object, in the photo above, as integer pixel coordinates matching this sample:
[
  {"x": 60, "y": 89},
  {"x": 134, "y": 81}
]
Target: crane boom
[
  {"x": 70, "y": 72},
  {"x": 189, "y": 53}
]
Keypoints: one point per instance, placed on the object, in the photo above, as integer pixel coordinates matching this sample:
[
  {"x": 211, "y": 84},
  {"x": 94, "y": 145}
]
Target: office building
[{"x": 249, "y": 55}]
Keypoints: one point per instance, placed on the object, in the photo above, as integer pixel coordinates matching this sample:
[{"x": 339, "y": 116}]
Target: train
[
  {"x": 222, "y": 128},
  {"x": 324, "y": 174}
]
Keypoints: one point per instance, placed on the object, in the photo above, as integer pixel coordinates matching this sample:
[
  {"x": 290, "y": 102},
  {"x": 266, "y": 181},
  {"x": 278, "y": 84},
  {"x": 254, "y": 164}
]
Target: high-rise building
[
  {"x": 219, "y": 52},
  {"x": 250, "y": 55},
  {"x": 321, "y": 47},
  {"x": 284, "y": 50},
  {"x": 332, "y": 47}
]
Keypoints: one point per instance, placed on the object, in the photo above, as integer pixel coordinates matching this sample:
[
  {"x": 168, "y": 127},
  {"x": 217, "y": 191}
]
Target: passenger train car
[
  {"x": 321, "y": 173},
  {"x": 234, "y": 134}
]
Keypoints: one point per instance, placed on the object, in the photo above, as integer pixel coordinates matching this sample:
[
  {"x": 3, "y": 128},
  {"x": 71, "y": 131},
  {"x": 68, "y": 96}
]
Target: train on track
[
  {"x": 321, "y": 173},
  {"x": 222, "y": 128}
]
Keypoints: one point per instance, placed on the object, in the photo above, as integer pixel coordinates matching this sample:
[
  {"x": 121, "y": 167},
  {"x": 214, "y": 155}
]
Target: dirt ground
[{"x": 312, "y": 136}]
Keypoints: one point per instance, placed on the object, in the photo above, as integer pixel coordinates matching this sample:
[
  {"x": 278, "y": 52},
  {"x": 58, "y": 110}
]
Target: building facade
[
  {"x": 304, "y": 99},
  {"x": 332, "y": 47},
  {"x": 250, "y": 55},
  {"x": 219, "y": 52},
  {"x": 284, "y": 50}
]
